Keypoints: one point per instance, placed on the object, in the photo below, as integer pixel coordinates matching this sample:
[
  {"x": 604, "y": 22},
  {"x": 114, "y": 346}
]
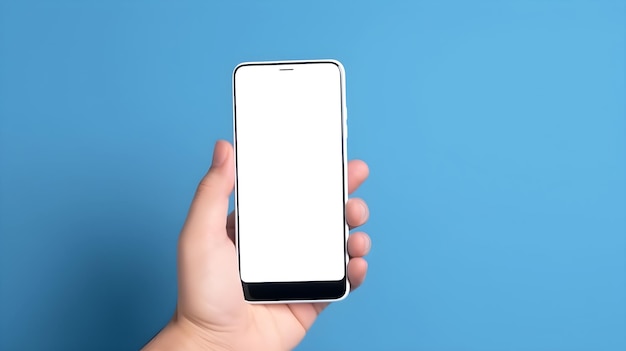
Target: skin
[{"x": 211, "y": 313}]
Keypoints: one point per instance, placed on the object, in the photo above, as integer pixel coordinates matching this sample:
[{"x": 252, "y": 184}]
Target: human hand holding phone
[{"x": 211, "y": 313}]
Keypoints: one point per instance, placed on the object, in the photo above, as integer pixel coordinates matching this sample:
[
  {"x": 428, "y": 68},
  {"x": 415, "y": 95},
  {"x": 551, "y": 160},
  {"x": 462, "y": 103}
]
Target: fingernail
[
  {"x": 368, "y": 243},
  {"x": 363, "y": 210},
  {"x": 219, "y": 155}
]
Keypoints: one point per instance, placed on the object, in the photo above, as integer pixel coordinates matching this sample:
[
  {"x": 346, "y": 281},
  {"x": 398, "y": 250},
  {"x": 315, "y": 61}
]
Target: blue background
[{"x": 495, "y": 133}]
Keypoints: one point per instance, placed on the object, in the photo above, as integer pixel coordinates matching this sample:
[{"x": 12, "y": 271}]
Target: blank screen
[{"x": 290, "y": 177}]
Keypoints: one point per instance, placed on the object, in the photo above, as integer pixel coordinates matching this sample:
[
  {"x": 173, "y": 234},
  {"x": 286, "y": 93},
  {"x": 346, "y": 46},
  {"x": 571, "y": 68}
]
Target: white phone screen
[{"x": 290, "y": 172}]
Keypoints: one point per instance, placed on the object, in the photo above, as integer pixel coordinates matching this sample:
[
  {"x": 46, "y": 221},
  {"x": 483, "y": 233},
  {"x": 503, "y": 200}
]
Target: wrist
[{"x": 182, "y": 335}]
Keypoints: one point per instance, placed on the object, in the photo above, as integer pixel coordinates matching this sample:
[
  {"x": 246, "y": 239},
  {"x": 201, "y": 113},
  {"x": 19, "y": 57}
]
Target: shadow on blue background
[{"x": 495, "y": 133}]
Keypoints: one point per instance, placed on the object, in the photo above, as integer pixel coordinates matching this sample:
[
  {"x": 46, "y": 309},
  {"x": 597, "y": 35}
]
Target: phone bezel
[{"x": 301, "y": 291}]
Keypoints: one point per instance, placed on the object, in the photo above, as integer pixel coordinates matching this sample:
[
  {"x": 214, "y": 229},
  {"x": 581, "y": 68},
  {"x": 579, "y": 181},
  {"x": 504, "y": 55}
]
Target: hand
[{"x": 211, "y": 313}]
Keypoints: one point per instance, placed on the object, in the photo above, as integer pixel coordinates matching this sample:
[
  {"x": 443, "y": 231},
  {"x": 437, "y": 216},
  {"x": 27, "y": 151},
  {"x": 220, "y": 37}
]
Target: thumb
[{"x": 206, "y": 220}]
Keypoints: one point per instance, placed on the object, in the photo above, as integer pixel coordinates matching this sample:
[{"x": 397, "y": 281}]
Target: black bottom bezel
[{"x": 294, "y": 291}]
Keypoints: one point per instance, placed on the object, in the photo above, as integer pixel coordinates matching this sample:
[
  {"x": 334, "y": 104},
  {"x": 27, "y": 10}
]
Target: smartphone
[{"x": 290, "y": 133}]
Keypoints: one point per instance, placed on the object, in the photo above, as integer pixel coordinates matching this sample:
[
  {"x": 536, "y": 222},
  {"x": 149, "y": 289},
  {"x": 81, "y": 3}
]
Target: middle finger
[{"x": 357, "y": 212}]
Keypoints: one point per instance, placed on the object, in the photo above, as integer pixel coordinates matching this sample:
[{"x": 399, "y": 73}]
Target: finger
[
  {"x": 207, "y": 216},
  {"x": 357, "y": 212},
  {"x": 359, "y": 244},
  {"x": 357, "y": 269},
  {"x": 357, "y": 173}
]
